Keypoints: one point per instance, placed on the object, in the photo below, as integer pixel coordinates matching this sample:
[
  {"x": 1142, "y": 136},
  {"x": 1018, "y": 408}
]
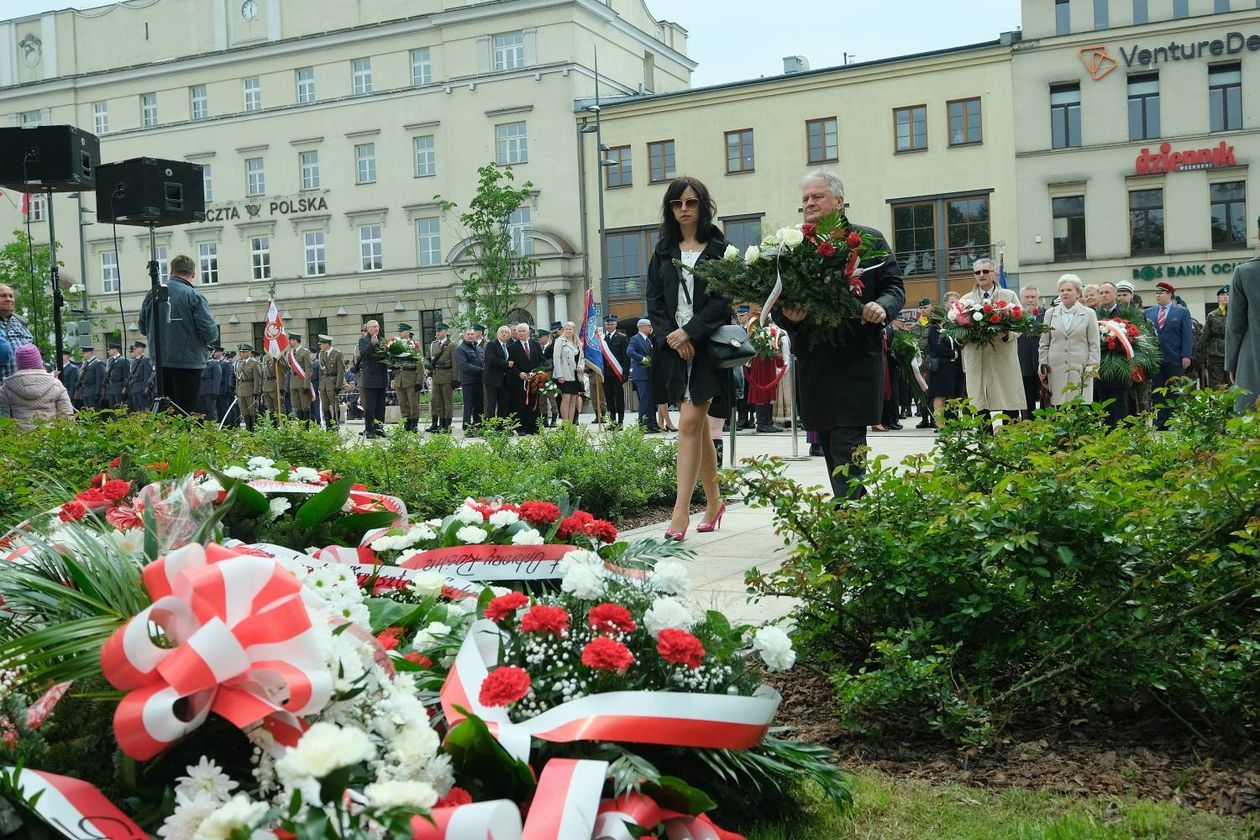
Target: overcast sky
[{"x": 742, "y": 39}]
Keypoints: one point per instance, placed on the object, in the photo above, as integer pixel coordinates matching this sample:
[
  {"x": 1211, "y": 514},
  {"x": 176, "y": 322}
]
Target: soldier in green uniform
[
  {"x": 442, "y": 369},
  {"x": 407, "y": 375},
  {"x": 270, "y": 393},
  {"x": 332, "y": 373},
  {"x": 300, "y": 386},
  {"x": 919, "y": 329},
  {"x": 1210, "y": 350},
  {"x": 249, "y": 385}
]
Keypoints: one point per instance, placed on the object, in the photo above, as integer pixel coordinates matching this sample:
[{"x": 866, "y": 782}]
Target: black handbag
[{"x": 730, "y": 347}]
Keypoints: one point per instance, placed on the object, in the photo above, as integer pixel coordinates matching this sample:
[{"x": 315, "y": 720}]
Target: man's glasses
[
  {"x": 980, "y": 271},
  {"x": 689, "y": 203}
]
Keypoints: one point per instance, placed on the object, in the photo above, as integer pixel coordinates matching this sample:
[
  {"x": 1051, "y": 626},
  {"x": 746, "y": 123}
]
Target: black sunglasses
[
  {"x": 690, "y": 203},
  {"x": 983, "y": 271}
]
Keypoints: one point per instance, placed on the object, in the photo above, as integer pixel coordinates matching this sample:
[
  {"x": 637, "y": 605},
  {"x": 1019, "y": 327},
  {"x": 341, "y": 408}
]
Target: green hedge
[
  {"x": 1058, "y": 570},
  {"x": 614, "y": 474}
]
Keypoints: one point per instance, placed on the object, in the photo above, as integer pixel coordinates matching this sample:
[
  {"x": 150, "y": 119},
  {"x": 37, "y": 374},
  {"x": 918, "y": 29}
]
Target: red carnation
[
  {"x": 505, "y": 605},
  {"x": 98, "y": 480},
  {"x": 72, "y": 511},
  {"x": 1111, "y": 343},
  {"x": 1017, "y": 312},
  {"x": 809, "y": 229},
  {"x": 116, "y": 463},
  {"x": 419, "y": 658},
  {"x": 455, "y": 797},
  {"x": 92, "y": 497},
  {"x": 124, "y": 517},
  {"x": 855, "y": 239},
  {"x": 1132, "y": 331},
  {"x": 1000, "y": 304},
  {"x": 575, "y": 523},
  {"x": 987, "y": 308},
  {"x": 539, "y": 514},
  {"x": 504, "y": 686},
  {"x": 826, "y": 249},
  {"x": 995, "y": 318},
  {"x": 611, "y": 618},
  {"x": 605, "y": 654},
  {"x": 389, "y": 637},
  {"x": 680, "y": 648},
  {"x": 544, "y": 619},
  {"x": 602, "y": 530},
  {"x": 116, "y": 490}
]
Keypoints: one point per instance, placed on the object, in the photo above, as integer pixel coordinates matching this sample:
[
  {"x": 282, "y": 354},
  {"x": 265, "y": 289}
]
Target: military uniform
[
  {"x": 227, "y": 391},
  {"x": 211, "y": 384},
  {"x": 442, "y": 368},
  {"x": 300, "y": 386},
  {"x": 332, "y": 371},
  {"x": 91, "y": 383},
  {"x": 1210, "y": 350},
  {"x": 139, "y": 381},
  {"x": 116, "y": 370},
  {"x": 270, "y": 392},
  {"x": 407, "y": 376},
  {"x": 249, "y": 385}
]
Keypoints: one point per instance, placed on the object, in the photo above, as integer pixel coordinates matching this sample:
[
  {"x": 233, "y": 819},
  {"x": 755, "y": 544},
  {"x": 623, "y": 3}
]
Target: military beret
[{"x": 407, "y": 328}]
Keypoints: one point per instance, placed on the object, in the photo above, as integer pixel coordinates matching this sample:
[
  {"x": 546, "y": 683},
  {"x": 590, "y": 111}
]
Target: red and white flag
[
  {"x": 275, "y": 339},
  {"x": 297, "y": 369},
  {"x": 25, "y": 204}
]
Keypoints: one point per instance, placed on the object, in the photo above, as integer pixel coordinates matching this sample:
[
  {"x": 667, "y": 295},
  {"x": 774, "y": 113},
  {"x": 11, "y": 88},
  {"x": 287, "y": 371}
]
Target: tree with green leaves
[
  {"x": 34, "y": 297},
  {"x": 492, "y": 283}
]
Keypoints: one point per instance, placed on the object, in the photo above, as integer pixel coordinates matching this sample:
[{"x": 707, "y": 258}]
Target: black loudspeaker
[
  {"x": 60, "y": 158},
  {"x": 150, "y": 192}
]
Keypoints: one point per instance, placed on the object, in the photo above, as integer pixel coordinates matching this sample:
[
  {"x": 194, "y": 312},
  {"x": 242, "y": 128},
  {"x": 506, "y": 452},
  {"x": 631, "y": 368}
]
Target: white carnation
[
  {"x": 429, "y": 636},
  {"x": 585, "y": 582},
  {"x": 426, "y": 584},
  {"x": 469, "y": 516},
  {"x": 210, "y": 484},
  {"x": 421, "y": 533},
  {"x": 324, "y": 748},
  {"x": 415, "y": 744},
  {"x": 528, "y": 537},
  {"x": 790, "y": 236},
  {"x": 752, "y": 254},
  {"x": 667, "y": 613},
  {"x": 239, "y": 812},
  {"x": 731, "y": 253},
  {"x": 390, "y": 542},
  {"x": 504, "y": 518},
  {"x": 775, "y": 648},
  {"x": 309, "y": 475},
  {"x": 400, "y": 795},
  {"x": 230, "y": 472},
  {"x": 579, "y": 557},
  {"x": 278, "y": 505},
  {"x": 471, "y": 535},
  {"x": 259, "y": 462},
  {"x": 670, "y": 577}
]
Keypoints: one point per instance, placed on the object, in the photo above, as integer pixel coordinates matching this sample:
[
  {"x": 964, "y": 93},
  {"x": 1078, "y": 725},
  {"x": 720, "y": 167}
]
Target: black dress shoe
[
  {"x": 771, "y": 429},
  {"x": 924, "y": 424},
  {"x": 896, "y": 427},
  {"x": 816, "y": 450}
]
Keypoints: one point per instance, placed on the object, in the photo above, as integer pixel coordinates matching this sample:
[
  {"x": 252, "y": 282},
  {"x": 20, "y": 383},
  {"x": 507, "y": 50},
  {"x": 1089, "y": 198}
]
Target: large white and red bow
[
  {"x": 226, "y": 633},
  {"x": 1120, "y": 330}
]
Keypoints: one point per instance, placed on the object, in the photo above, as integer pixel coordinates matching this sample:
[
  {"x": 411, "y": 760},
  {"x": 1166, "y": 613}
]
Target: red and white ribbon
[
  {"x": 76, "y": 809},
  {"x": 243, "y": 647},
  {"x": 498, "y": 819},
  {"x": 361, "y": 501},
  {"x": 1121, "y": 333},
  {"x": 616, "y": 815},
  {"x": 718, "y": 721}
]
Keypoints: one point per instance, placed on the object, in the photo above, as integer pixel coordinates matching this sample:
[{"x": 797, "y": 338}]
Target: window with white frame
[
  {"x": 511, "y": 145},
  {"x": 421, "y": 67},
  {"x": 253, "y": 94},
  {"x": 38, "y": 210},
  {"x": 198, "y": 103},
  {"x": 100, "y": 117},
  {"x": 309, "y": 166},
  {"x": 148, "y": 110},
  {"x": 260, "y": 257},
  {"x": 30, "y": 118},
  {"x": 313, "y": 241},
  {"x": 255, "y": 180},
  {"x": 365, "y": 163},
  {"x": 305, "y": 84},
  {"x": 429, "y": 240},
  {"x": 518, "y": 228},
  {"x": 207, "y": 185},
  {"x": 361, "y": 76},
  {"x": 509, "y": 50},
  {"x": 109, "y": 272},
  {"x": 164, "y": 263},
  {"x": 426, "y": 156},
  {"x": 208, "y": 257},
  {"x": 370, "y": 258}
]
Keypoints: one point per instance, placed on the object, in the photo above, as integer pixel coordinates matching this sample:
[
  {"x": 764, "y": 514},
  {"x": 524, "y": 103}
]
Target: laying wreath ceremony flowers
[
  {"x": 982, "y": 321},
  {"x": 268, "y": 650}
]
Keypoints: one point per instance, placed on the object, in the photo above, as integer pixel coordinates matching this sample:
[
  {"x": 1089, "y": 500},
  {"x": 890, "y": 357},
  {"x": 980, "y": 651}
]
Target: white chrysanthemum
[
  {"x": 504, "y": 518},
  {"x": 670, "y": 577},
  {"x": 433, "y": 523},
  {"x": 389, "y": 542},
  {"x": 259, "y": 461},
  {"x": 231, "y": 472},
  {"x": 426, "y": 584},
  {"x": 415, "y": 744},
  {"x": 400, "y": 795},
  {"x": 204, "y": 781},
  {"x": 752, "y": 254},
  {"x": 579, "y": 557},
  {"x": 471, "y": 535},
  {"x": 731, "y": 253},
  {"x": 469, "y": 516},
  {"x": 308, "y": 475},
  {"x": 187, "y": 818},
  {"x": 528, "y": 537},
  {"x": 775, "y": 648},
  {"x": 790, "y": 236},
  {"x": 278, "y": 505},
  {"x": 324, "y": 748},
  {"x": 240, "y": 812},
  {"x": 130, "y": 541},
  {"x": 268, "y": 473},
  {"x": 665, "y": 614},
  {"x": 429, "y": 636},
  {"x": 421, "y": 533},
  {"x": 583, "y": 581}
]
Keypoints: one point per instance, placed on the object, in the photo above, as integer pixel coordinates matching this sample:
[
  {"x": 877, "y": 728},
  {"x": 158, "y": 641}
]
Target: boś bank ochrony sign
[
  {"x": 1167, "y": 160},
  {"x": 1099, "y": 62},
  {"x": 1156, "y": 272}
]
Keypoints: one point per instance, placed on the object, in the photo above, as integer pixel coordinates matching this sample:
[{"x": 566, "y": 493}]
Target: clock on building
[{"x": 249, "y": 9}]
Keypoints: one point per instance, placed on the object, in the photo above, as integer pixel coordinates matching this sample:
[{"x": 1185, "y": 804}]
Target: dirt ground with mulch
[
  {"x": 1157, "y": 761},
  {"x": 658, "y": 514}
]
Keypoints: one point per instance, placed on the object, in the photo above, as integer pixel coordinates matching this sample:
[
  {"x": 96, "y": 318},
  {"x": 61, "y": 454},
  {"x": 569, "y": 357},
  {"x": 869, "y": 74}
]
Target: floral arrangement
[
  {"x": 817, "y": 266},
  {"x": 766, "y": 339},
  {"x": 1129, "y": 353},
  {"x": 538, "y": 383},
  {"x": 397, "y": 351},
  {"x": 982, "y": 322}
]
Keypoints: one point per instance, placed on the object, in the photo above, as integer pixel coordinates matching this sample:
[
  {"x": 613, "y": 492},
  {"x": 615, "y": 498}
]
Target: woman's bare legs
[{"x": 696, "y": 458}]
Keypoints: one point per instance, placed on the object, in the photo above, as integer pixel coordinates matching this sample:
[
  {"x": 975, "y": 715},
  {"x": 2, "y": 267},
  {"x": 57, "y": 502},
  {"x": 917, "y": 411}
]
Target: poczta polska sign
[
  {"x": 274, "y": 207},
  {"x": 1156, "y": 272}
]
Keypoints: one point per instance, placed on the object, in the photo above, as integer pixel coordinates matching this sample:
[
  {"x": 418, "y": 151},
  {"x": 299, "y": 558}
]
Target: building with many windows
[
  {"x": 326, "y": 132},
  {"x": 1135, "y": 125}
]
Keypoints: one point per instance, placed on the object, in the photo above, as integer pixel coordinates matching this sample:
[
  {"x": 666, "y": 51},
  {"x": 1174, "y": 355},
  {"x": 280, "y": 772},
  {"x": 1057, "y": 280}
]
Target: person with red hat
[{"x": 1176, "y": 342}]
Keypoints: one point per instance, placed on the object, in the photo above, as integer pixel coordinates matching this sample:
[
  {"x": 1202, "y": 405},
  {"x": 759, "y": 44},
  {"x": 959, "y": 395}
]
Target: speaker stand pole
[{"x": 54, "y": 276}]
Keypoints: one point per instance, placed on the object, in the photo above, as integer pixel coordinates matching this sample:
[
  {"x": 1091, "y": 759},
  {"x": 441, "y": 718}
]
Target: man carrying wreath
[
  {"x": 994, "y": 380},
  {"x": 843, "y": 391}
]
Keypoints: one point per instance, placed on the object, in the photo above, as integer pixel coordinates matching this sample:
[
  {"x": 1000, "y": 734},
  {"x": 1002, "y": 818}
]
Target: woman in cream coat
[
  {"x": 566, "y": 370},
  {"x": 1069, "y": 351}
]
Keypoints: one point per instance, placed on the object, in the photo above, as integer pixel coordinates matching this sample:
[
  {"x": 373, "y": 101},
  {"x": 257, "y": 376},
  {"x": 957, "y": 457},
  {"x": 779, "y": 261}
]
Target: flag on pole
[
  {"x": 275, "y": 339},
  {"x": 592, "y": 343},
  {"x": 25, "y": 205},
  {"x": 1002, "y": 269}
]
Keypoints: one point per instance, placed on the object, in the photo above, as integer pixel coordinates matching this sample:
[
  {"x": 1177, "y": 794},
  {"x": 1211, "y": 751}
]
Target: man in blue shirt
[
  {"x": 1176, "y": 341},
  {"x": 13, "y": 328}
]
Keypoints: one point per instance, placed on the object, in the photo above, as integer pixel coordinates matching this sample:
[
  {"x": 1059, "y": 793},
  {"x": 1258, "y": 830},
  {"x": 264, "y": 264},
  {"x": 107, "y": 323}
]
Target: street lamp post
[{"x": 604, "y": 162}]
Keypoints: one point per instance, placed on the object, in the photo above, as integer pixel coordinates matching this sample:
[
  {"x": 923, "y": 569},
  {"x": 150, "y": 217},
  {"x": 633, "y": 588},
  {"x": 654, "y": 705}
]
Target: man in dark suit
[
  {"x": 495, "y": 374},
  {"x": 116, "y": 369},
  {"x": 70, "y": 376},
  {"x": 526, "y": 353},
  {"x": 1176, "y": 343},
  {"x": 91, "y": 380},
  {"x": 1242, "y": 334},
  {"x": 639, "y": 351},
  {"x": 470, "y": 360},
  {"x": 1109, "y": 307},
  {"x": 211, "y": 383},
  {"x": 1028, "y": 344},
  {"x": 843, "y": 391},
  {"x": 373, "y": 377},
  {"x": 614, "y": 385},
  {"x": 139, "y": 379}
]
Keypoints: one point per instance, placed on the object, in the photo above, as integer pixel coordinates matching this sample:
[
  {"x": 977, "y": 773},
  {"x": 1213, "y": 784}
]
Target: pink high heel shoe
[
  {"x": 676, "y": 536},
  {"x": 709, "y": 527}
]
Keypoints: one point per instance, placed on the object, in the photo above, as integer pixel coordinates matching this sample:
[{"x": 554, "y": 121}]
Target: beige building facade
[
  {"x": 326, "y": 131},
  {"x": 1136, "y": 124}
]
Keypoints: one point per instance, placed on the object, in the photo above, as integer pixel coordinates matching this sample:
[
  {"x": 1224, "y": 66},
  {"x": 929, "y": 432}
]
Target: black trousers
[
  {"x": 614, "y": 399},
  {"x": 1119, "y": 396},
  {"x": 1032, "y": 391},
  {"x": 373, "y": 410},
  {"x": 473, "y": 398},
  {"x": 838, "y": 446},
  {"x": 182, "y": 386}
]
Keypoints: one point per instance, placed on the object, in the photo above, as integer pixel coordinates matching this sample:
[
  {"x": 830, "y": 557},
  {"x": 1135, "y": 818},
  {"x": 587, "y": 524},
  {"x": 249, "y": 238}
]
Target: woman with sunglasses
[
  {"x": 995, "y": 382},
  {"x": 684, "y": 314}
]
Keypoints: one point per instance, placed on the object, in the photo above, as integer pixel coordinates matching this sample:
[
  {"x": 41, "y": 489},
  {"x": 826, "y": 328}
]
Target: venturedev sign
[{"x": 1232, "y": 44}]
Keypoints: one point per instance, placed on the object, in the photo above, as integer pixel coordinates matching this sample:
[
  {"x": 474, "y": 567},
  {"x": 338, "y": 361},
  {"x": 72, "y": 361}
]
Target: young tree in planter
[
  {"x": 492, "y": 284},
  {"x": 34, "y": 297}
]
